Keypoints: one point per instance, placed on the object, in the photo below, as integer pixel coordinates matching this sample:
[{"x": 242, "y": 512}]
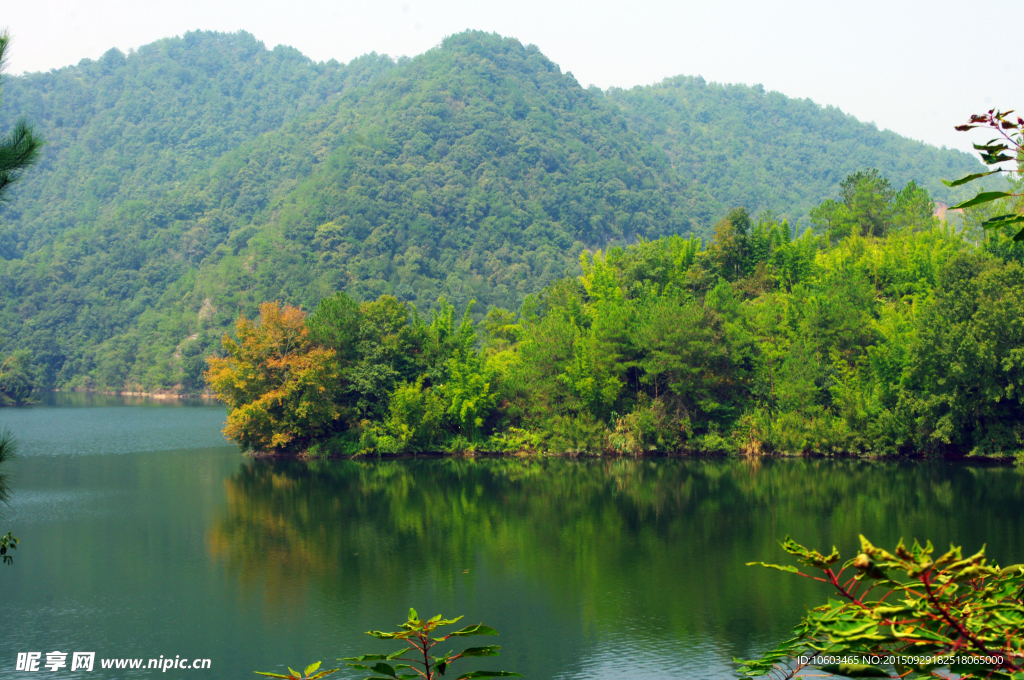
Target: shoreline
[
  {"x": 1007, "y": 460},
  {"x": 168, "y": 396},
  {"x": 989, "y": 461}
]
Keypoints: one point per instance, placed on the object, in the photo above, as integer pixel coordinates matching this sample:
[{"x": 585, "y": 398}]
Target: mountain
[
  {"x": 763, "y": 150},
  {"x": 199, "y": 176}
]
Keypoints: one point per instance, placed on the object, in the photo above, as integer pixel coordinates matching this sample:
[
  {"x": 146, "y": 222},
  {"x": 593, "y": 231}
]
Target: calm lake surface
[{"x": 144, "y": 534}]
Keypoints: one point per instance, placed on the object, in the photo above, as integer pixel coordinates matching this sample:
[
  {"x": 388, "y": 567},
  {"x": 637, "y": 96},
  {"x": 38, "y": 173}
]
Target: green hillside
[
  {"x": 765, "y": 151},
  {"x": 133, "y": 128},
  {"x": 199, "y": 176},
  {"x": 99, "y": 240},
  {"x": 476, "y": 171}
]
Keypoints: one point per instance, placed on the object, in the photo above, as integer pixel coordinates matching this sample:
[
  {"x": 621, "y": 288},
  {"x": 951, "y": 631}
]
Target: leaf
[
  {"x": 489, "y": 650},
  {"x": 412, "y": 615},
  {"x": 384, "y": 669},
  {"x": 983, "y": 197},
  {"x": 811, "y": 558},
  {"x": 992, "y": 159},
  {"x": 855, "y": 670},
  {"x": 311, "y": 668},
  {"x": 273, "y": 675},
  {"x": 489, "y": 674},
  {"x": 373, "y": 657},
  {"x": 448, "y": 622},
  {"x": 968, "y": 178},
  {"x": 888, "y": 612},
  {"x": 478, "y": 629},
  {"x": 1002, "y": 221},
  {"x": 993, "y": 146},
  {"x": 789, "y": 569},
  {"x": 323, "y": 674},
  {"x": 851, "y": 628}
]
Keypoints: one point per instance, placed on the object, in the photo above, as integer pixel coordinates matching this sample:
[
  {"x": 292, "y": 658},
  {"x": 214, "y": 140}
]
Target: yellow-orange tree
[{"x": 280, "y": 387}]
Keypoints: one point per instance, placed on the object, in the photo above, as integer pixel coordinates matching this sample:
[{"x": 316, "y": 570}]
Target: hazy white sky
[{"x": 915, "y": 67}]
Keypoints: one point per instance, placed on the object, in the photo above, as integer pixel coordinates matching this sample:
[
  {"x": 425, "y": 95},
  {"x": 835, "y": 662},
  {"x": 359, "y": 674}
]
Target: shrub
[
  {"x": 946, "y": 612},
  {"x": 416, "y": 634}
]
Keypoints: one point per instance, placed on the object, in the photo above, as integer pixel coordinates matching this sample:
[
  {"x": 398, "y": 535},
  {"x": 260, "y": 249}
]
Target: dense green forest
[
  {"x": 766, "y": 151},
  {"x": 881, "y": 331},
  {"x": 195, "y": 178}
]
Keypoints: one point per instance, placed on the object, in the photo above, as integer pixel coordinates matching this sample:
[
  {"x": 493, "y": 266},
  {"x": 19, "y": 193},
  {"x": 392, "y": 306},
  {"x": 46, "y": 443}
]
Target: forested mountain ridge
[
  {"x": 125, "y": 128},
  {"x": 100, "y": 236},
  {"x": 765, "y": 150},
  {"x": 200, "y": 176},
  {"x": 477, "y": 171}
]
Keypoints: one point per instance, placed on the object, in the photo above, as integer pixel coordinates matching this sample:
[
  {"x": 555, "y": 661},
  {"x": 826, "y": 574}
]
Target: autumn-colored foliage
[{"x": 278, "y": 385}]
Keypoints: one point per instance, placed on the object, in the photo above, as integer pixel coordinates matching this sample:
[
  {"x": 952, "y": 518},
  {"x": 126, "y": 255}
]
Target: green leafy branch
[
  {"x": 20, "y": 148},
  {"x": 8, "y": 542},
  {"x": 8, "y": 447},
  {"x": 416, "y": 634},
  {"x": 310, "y": 673},
  {"x": 947, "y": 608},
  {"x": 1008, "y": 147}
]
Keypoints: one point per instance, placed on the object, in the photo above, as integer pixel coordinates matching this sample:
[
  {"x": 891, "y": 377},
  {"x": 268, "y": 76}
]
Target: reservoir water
[{"x": 145, "y": 534}]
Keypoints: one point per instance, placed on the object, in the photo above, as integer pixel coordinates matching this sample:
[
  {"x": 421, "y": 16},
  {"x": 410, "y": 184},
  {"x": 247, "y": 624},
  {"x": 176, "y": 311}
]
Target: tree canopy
[{"x": 897, "y": 334}]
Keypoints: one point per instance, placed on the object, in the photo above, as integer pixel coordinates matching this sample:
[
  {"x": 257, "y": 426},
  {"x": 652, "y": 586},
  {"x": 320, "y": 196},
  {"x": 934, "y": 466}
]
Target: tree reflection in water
[{"x": 641, "y": 547}]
